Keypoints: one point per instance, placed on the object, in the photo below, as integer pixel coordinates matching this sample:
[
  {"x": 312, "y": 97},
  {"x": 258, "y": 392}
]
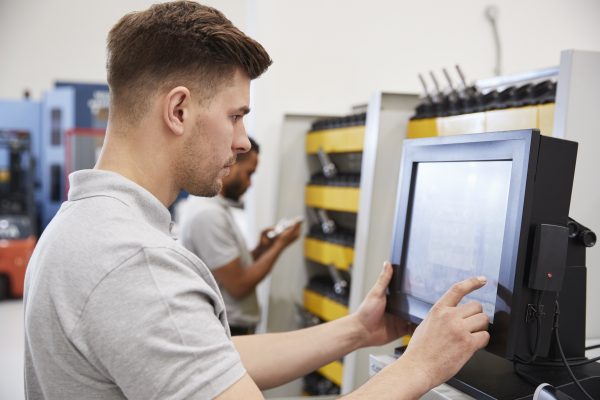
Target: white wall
[
  {"x": 329, "y": 55},
  {"x": 49, "y": 40}
]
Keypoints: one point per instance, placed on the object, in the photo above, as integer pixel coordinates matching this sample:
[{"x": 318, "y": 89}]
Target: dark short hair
[
  {"x": 176, "y": 43},
  {"x": 253, "y": 147}
]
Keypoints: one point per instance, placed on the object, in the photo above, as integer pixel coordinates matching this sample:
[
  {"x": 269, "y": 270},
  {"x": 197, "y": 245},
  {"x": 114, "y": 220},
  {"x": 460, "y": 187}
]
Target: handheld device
[{"x": 282, "y": 225}]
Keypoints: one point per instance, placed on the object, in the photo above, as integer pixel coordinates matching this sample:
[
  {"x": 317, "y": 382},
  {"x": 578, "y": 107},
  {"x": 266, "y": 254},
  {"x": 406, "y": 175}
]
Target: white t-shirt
[
  {"x": 115, "y": 308},
  {"x": 208, "y": 229}
]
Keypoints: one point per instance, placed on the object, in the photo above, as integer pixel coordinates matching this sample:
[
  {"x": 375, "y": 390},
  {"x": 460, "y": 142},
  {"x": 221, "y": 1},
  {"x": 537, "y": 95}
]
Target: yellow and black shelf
[
  {"x": 335, "y": 198},
  {"x": 342, "y": 139},
  {"x": 348, "y": 139},
  {"x": 323, "y": 306},
  {"x": 539, "y": 116},
  {"x": 324, "y": 252}
]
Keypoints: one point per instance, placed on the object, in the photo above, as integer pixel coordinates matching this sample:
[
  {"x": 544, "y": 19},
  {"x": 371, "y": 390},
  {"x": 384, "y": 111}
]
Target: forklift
[{"x": 17, "y": 211}]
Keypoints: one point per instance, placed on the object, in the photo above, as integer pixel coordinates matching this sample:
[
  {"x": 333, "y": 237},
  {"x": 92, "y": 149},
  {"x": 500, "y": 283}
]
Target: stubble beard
[
  {"x": 198, "y": 181},
  {"x": 194, "y": 173},
  {"x": 233, "y": 190}
]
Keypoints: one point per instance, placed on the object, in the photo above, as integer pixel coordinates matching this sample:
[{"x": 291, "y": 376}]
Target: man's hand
[
  {"x": 283, "y": 240},
  {"x": 449, "y": 335},
  {"x": 380, "y": 327},
  {"x": 265, "y": 242},
  {"x": 289, "y": 235}
]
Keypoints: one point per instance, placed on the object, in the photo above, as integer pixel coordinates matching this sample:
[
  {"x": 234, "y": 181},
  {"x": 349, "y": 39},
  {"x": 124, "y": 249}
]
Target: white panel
[
  {"x": 577, "y": 118},
  {"x": 387, "y": 117}
]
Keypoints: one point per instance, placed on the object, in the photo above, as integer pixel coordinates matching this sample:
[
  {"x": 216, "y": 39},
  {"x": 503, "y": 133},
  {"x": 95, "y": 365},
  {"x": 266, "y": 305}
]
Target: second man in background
[{"x": 209, "y": 230}]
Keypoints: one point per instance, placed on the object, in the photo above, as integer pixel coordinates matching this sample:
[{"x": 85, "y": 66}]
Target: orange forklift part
[{"x": 14, "y": 256}]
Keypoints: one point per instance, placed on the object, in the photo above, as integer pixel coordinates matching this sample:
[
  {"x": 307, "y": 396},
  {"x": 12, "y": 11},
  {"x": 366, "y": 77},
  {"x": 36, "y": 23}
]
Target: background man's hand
[
  {"x": 289, "y": 235},
  {"x": 265, "y": 242},
  {"x": 283, "y": 240},
  {"x": 450, "y": 334}
]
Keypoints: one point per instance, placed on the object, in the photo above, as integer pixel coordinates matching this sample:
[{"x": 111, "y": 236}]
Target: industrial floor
[{"x": 11, "y": 350}]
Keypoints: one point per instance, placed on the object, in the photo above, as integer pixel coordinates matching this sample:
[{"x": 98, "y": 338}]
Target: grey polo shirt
[
  {"x": 115, "y": 308},
  {"x": 208, "y": 229}
]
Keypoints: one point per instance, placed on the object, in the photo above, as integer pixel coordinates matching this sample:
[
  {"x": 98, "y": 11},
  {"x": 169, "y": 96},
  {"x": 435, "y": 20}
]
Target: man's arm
[
  {"x": 439, "y": 347},
  {"x": 238, "y": 281},
  {"x": 275, "y": 358},
  {"x": 431, "y": 358},
  {"x": 245, "y": 388}
]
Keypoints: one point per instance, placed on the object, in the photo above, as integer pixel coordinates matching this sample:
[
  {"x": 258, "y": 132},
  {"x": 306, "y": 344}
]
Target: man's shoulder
[
  {"x": 90, "y": 255},
  {"x": 86, "y": 241}
]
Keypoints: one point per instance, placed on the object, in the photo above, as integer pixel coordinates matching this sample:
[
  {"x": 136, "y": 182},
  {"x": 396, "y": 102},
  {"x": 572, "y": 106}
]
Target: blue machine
[
  {"x": 25, "y": 115},
  {"x": 66, "y": 128}
]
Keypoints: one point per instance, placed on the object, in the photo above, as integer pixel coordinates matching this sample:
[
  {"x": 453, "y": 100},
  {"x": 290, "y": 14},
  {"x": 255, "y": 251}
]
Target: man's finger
[
  {"x": 382, "y": 281},
  {"x": 459, "y": 290},
  {"x": 480, "y": 339},
  {"x": 470, "y": 308},
  {"x": 477, "y": 322}
]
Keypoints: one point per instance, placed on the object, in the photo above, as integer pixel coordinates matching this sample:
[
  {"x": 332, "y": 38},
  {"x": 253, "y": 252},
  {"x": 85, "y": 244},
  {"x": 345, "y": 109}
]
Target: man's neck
[{"x": 149, "y": 168}]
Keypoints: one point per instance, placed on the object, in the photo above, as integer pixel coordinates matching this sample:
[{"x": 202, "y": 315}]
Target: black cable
[
  {"x": 538, "y": 314},
  {"x": 562, "y": 354},
  {"x": 532, "y": 361},
  {"x": 571, "y": 364}
]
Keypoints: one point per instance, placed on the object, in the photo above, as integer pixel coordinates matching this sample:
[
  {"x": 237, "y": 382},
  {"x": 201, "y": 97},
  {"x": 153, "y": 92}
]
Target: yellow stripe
[
  {"x": 328, "y": 253},
  {"x": 420, "y": 128},
  {"x": 332, "y": 198},
  {"x": 339, "y": 140},
  {"x": 546, "y": 118},
  {"x": 333, "y": 371},
  {"x": 323, "y": 307}
]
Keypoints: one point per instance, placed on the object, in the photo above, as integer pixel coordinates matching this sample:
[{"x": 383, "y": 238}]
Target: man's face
[
  {"x": 216, "y": 135},
  {"x": 240, "y": 177}
]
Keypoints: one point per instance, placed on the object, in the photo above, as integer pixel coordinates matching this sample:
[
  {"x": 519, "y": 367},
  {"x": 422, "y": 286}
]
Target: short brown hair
[{"x": 179, "y": 43}]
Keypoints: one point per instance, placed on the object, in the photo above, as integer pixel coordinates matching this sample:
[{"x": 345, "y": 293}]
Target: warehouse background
[{"x": 328, "y": 56}]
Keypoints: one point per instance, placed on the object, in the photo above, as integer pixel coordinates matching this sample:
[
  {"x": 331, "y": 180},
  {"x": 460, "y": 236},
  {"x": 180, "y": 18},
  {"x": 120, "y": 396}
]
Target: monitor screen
[
  {"x": 469, "y": 205},
  {"x": 456, "y": 229},
  {"x": 492, "y": 204}
]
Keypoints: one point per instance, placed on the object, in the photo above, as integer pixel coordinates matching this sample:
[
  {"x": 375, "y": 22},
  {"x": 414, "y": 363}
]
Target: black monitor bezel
[{"x": 517, "y": 146}]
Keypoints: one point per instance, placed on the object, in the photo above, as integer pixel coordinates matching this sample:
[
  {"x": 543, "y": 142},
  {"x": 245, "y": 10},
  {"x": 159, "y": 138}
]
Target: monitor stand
[{"x": 487, "y": 376}]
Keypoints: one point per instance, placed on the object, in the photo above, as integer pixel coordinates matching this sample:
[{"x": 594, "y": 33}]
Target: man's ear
[{"x": 176, "y": 109}]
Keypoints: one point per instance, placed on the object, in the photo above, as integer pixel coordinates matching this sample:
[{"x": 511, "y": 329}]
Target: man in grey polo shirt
[
  {"x": 208, "y": 229},
  {"x": 115, "y": 308}
]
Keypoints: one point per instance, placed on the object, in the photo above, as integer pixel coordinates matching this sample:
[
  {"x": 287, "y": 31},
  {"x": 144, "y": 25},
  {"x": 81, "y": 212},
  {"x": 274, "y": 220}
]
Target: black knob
[{"x": 587, "y": 237}]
